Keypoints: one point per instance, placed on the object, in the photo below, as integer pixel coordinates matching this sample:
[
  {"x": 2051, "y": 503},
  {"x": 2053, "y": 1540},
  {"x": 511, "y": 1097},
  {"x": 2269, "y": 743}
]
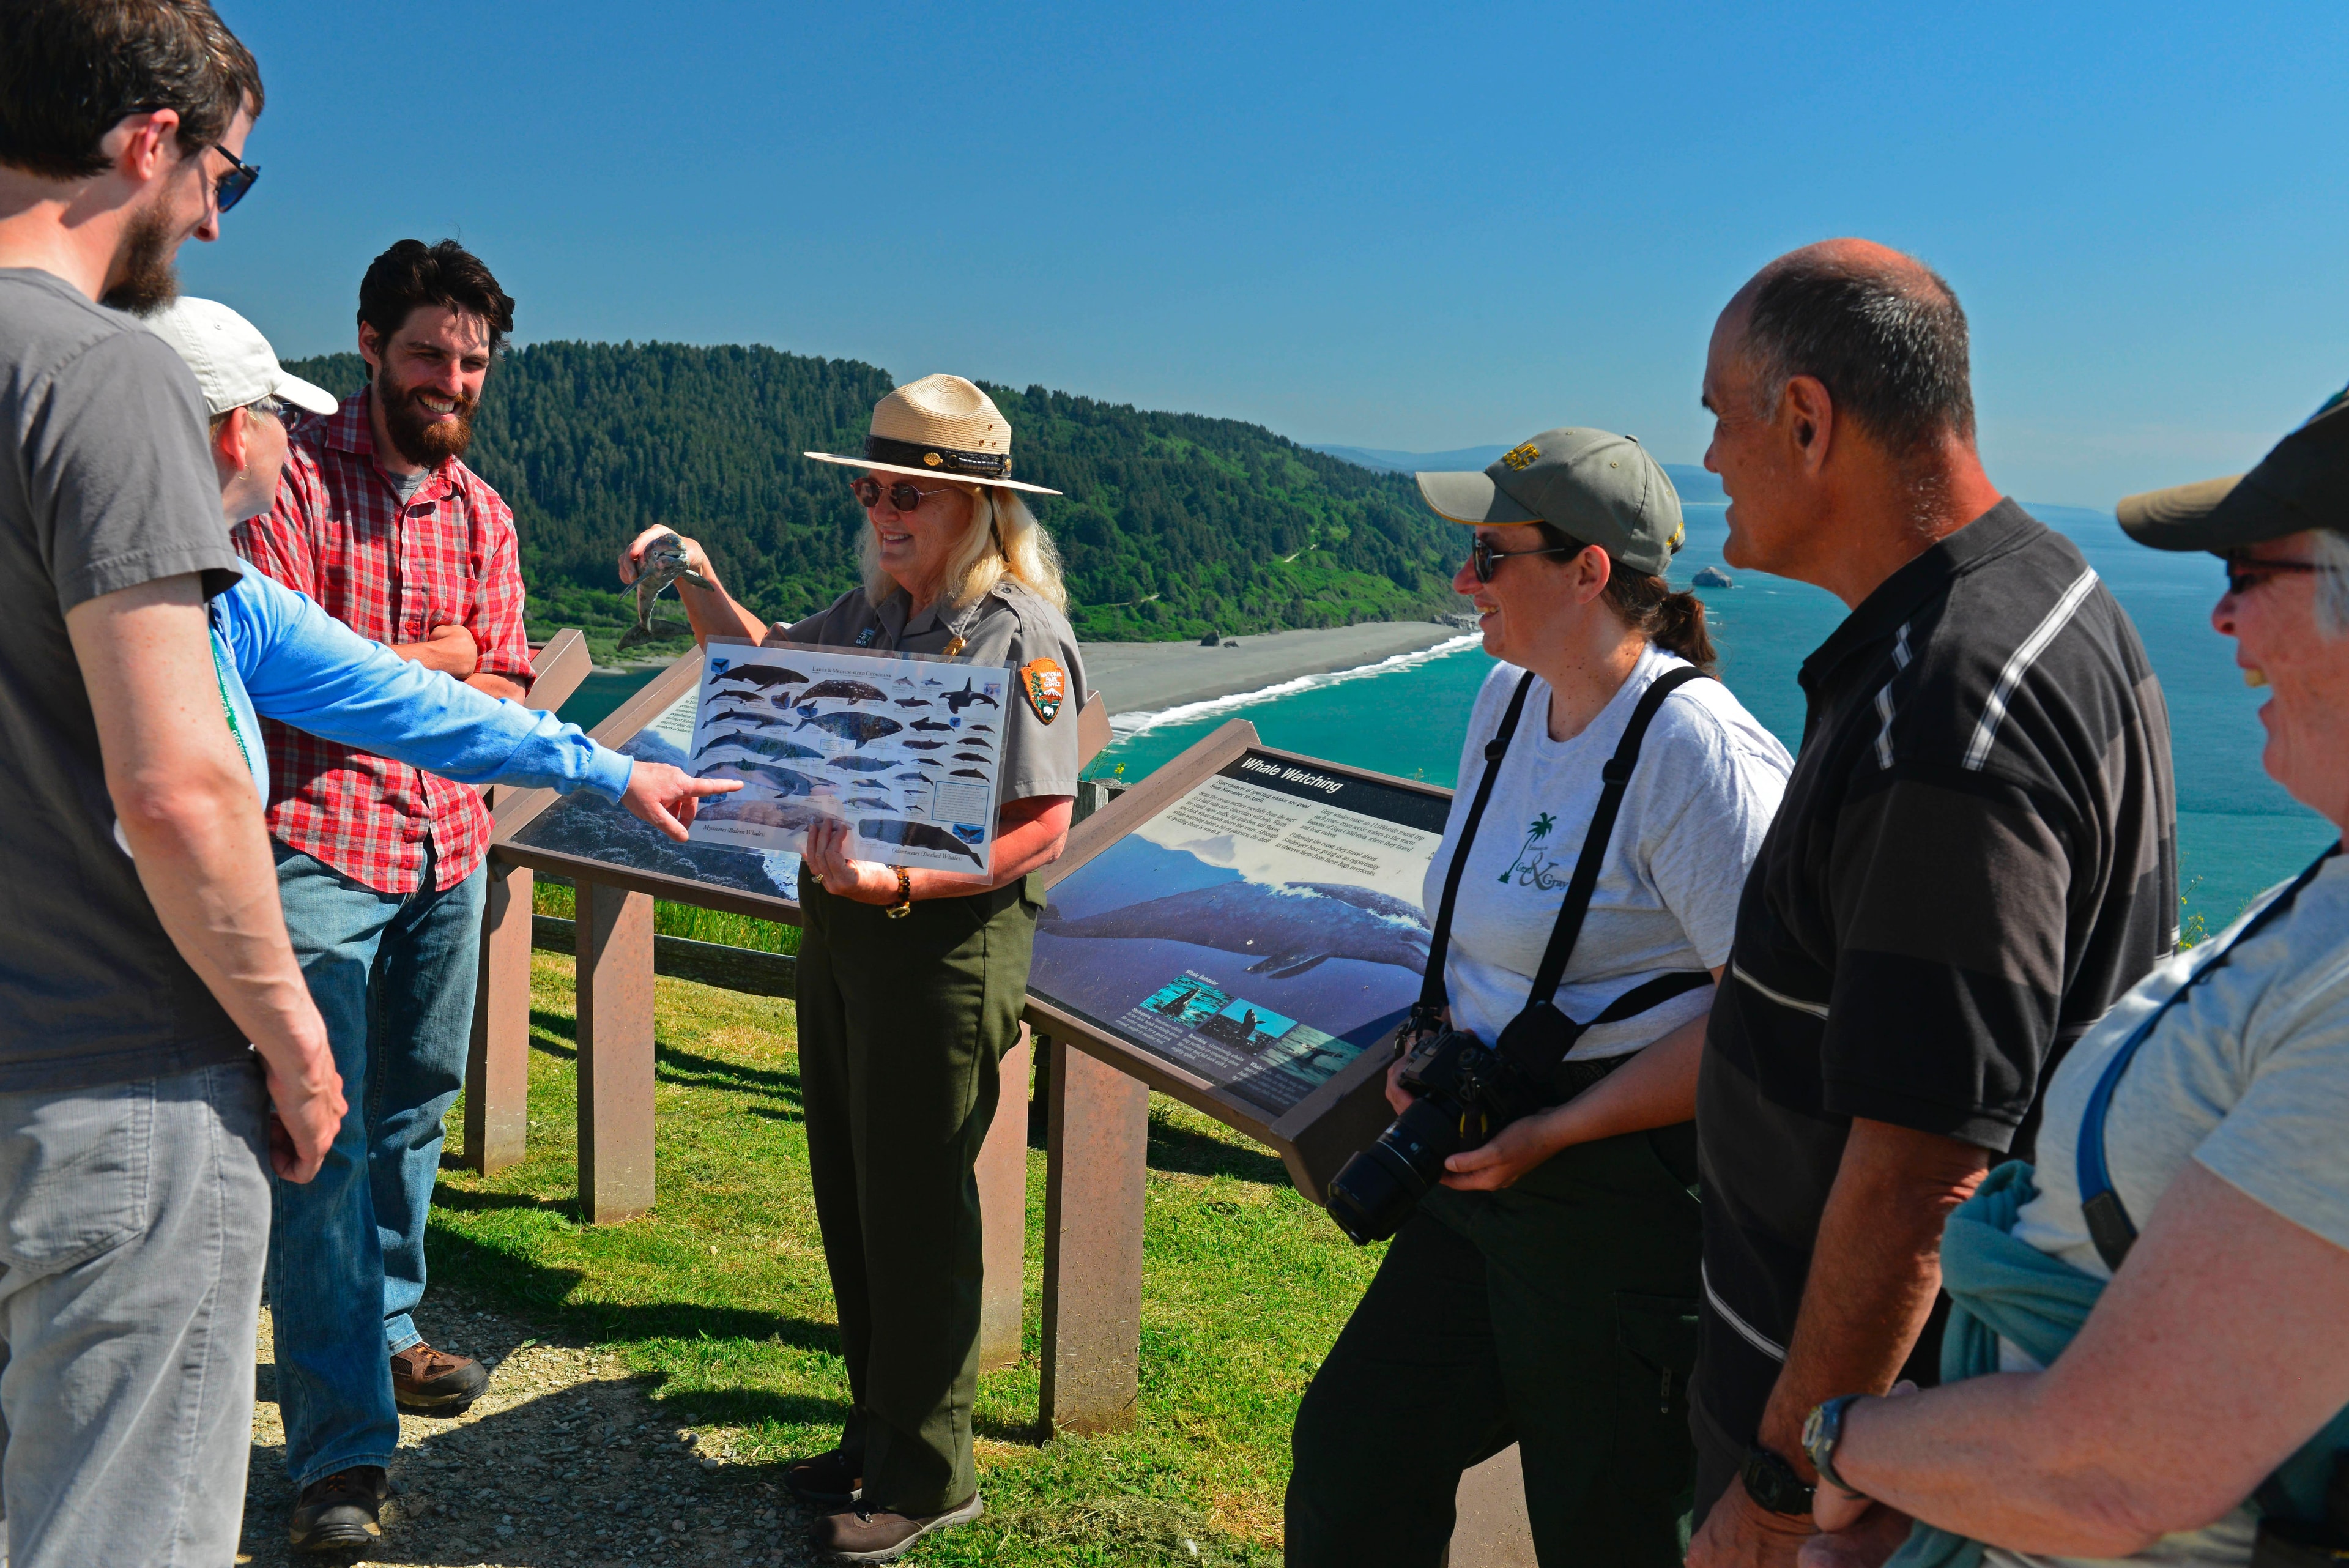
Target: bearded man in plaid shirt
[{"x": 380, "y": 865}]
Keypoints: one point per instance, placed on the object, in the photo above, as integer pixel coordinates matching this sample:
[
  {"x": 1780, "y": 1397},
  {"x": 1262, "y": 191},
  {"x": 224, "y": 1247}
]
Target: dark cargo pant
[
  {"x": 902, "y": 1026},
  {"x": 1559, "y": 1314}
]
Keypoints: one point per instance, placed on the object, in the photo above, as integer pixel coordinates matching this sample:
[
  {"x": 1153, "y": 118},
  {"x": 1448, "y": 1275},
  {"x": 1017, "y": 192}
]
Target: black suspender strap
[
  {"x": 1431, "y": 989},
  {"x": 1538, "y": 1038},
  {"x": 1617, "y": 777}
]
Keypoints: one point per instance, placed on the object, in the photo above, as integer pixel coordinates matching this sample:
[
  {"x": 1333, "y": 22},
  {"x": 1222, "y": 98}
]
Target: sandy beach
[{"x": 1144, "y": 676}]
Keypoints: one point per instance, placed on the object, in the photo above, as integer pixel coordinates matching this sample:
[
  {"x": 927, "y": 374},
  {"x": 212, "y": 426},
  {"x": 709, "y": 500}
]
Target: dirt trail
[{"x": 563, "y": 1461}]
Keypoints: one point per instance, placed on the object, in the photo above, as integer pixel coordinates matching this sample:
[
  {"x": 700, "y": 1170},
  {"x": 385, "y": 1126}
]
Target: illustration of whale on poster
[{"x": 1288, "y": 927}]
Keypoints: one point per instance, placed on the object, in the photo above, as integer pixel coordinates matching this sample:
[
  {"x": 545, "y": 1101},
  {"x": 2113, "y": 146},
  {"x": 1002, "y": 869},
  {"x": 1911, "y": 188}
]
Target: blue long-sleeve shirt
[{"x": 279, "y": 655}]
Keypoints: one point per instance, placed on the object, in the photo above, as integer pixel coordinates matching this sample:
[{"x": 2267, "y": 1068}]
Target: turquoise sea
[{"x": 2238, "y": 831}]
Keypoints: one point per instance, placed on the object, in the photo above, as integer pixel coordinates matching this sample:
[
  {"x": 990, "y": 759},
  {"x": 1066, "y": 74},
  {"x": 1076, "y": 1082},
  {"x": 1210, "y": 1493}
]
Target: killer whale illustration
[
  {"x": 1287, "y": 929},
  {"x": 958, "y": 700}
]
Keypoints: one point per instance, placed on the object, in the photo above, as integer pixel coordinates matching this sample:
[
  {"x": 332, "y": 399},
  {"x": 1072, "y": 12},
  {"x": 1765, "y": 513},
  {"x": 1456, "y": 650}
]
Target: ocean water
[{"x": 2238, "y": 831}]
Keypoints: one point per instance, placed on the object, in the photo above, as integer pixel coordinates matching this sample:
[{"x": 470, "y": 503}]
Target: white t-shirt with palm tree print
[{"x": 1709, "y": 780}]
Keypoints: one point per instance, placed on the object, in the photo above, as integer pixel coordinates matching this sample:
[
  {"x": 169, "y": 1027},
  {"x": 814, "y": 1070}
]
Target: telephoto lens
[{"x": 1376, "y": 1191}]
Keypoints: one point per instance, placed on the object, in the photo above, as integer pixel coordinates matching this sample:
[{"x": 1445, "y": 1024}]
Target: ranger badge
[{"x": 1047, "y": 686}]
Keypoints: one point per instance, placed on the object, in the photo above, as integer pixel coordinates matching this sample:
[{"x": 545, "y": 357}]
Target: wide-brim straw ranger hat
[{"x": 939, "y": 425}]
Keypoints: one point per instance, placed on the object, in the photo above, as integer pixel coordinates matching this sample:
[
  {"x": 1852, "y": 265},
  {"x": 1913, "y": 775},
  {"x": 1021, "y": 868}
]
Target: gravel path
[{"x": 564, "y": 1460}]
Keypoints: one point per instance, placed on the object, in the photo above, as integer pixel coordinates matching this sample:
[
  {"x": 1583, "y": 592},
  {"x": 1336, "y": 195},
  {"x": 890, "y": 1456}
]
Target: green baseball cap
[
  {"x": 1590, "y": 485},
  {"x": 2301, "y": 483}
]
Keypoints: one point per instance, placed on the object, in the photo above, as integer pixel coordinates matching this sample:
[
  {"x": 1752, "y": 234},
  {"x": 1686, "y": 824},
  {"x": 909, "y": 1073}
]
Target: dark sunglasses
[
  {"x": 233, "y": 185},
  {"x": 902, "y": 494},
  {"x": 1482, "y": 556},
  {"x": 2243, "y": 576}
]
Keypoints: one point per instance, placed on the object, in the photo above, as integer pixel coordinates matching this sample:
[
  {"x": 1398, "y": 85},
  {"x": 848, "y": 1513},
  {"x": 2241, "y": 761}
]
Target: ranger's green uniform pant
[
  {"x": 901, "y": 1026},
  {"x": 1559, "y": 1314}
]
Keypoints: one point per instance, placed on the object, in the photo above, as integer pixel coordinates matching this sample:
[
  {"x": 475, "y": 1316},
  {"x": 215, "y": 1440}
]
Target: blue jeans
[{"x": 394, "y": 978}]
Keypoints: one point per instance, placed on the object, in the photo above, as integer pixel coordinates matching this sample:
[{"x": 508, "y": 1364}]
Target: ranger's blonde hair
[{"x": 1004, "y": 539}]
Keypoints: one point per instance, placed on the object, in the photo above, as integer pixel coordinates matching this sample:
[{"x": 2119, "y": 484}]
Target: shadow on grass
[
  {"x": 521, "y": 1284},
  {"x": 551, "y": 1034},
  {"x": 1190, "y": 1153}
]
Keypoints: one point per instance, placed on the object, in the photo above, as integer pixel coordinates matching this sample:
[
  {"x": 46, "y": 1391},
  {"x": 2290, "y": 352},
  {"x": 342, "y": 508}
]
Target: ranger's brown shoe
[
  {"x": 859, "y": 1535},
  {"x": 423, "y": 1378},
  {"x": 338, "y": 1513}
]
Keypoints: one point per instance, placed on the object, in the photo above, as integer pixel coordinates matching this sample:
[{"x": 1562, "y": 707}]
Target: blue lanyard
[{"x": 2109, "y": 1226}]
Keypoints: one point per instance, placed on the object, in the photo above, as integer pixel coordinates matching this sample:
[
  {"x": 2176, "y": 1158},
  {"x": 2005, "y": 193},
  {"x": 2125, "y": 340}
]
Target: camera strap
[{"x": 1538, "y": 1038}]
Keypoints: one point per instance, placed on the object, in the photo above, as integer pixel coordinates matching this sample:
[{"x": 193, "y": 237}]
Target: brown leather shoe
[
  {"x": 423, "y": 1378},
  {"x": 338, "y": 1513},
  {"x": 860, "y": 1535}
]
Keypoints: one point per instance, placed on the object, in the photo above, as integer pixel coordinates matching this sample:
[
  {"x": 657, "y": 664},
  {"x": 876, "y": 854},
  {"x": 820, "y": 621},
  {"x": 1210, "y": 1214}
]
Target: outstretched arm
[{"x": 302, "y": 667}]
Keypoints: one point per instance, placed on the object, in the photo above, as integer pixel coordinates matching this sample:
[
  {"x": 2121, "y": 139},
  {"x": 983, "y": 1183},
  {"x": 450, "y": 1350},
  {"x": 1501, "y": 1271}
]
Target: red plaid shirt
[{"x": 391, "y": 572}]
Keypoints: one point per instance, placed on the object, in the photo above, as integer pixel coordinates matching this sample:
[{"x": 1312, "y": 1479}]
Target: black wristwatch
[
  {"x": 1772, "y": 1483},
  {"x": 1822, "y": 1431}
]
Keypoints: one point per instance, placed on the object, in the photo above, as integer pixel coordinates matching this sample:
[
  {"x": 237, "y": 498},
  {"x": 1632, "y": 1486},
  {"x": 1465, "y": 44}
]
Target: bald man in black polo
[{"x": 1976, "y": 855}]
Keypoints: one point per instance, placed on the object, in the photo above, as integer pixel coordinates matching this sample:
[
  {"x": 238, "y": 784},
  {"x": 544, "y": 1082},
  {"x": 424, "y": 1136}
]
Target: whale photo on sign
[{"x": 1260, "y": 932}]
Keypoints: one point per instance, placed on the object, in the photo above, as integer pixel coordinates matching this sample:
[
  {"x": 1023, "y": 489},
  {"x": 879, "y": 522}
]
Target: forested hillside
[{"x": 1174, "y": 524}]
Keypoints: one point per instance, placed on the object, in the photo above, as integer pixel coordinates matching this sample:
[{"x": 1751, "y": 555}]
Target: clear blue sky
[{"x": 1416, "y": 227}]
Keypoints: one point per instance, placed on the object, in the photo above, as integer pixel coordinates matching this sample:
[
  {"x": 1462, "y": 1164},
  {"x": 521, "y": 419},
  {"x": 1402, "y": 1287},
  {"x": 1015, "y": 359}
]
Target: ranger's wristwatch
[
  {"x": 905, "y": 904},
  {"x": 1772, "y": 1483},
  {"x": 1822, "y": 1431}
]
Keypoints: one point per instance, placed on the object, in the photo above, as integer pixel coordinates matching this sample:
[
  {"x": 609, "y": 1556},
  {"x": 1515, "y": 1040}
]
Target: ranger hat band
[
  {"x": 233, "y": 364},
  {"x": 940, "y": 425},
  {"x": 1591, "y": 486},
  {"x": 2301, "y": 483}
]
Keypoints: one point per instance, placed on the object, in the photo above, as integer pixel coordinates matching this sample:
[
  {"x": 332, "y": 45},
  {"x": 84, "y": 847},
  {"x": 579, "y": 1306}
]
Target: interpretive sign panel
[
  {"x": 1258, "y": 931},
  {"x": 905, "y": 746}
]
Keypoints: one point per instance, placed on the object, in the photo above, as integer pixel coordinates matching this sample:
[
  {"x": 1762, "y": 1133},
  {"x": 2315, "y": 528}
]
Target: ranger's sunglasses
[{"x": 902, "y": 494}]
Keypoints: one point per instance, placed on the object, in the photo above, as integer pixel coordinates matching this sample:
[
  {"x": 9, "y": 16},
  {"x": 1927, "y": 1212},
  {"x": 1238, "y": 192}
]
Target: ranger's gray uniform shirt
[
  {"x": 1009, "y": 626},
  {"x": 105, "y": 485}
]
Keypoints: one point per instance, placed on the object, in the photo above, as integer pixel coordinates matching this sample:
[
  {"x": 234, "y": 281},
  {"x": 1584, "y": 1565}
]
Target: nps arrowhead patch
[{"x": 1046, "y": 685}]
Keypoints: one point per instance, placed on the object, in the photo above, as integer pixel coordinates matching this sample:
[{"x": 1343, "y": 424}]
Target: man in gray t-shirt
[{"x": 143, "y": 960}]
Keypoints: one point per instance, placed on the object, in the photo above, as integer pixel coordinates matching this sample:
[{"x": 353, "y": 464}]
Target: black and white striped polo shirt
[{"x": 1976, "y": 855}]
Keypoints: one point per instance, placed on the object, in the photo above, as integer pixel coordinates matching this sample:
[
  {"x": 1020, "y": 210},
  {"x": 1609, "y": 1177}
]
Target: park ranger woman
[{"x": 911, "y": 983}]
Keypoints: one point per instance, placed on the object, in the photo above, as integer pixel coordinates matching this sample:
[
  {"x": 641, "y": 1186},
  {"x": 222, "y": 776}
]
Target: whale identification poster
[
  {"x": 586, "y": 825},
  {"x": 1261, "y": 931},
  {"x": 906, "y": 747}
]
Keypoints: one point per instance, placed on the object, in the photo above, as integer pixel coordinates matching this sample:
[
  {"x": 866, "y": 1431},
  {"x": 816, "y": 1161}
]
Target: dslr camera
[{"x": 1467, "y": 1092}]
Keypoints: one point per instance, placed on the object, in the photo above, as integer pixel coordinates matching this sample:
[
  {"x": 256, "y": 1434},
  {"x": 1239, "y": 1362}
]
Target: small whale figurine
[{"x": 664, "y": 563}]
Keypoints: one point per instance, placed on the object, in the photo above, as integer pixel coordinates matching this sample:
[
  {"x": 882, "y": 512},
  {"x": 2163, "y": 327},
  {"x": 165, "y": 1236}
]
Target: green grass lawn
[{"x": 720, "y": 1295}]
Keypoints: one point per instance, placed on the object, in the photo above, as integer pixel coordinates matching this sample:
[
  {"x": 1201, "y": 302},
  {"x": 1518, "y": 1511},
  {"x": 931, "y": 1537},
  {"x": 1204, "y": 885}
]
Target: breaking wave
[{"x": 1126, "y": 726}]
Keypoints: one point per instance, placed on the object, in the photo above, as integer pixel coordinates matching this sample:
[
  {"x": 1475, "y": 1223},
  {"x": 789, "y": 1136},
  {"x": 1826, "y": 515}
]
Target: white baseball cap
[{"x": 235, "y": 364}]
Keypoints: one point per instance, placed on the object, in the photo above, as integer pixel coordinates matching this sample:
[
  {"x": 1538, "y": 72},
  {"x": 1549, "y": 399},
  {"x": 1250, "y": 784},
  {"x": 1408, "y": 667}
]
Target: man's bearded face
[
  {"x": 427, "y": 425},
  {"x": 145, "y": 276}
]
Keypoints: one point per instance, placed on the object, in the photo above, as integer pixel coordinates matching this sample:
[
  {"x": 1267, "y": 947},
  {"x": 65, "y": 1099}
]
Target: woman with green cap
[
  {"x": 911, "y": 983},
  {"x": 1545, "y": 1293}
]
